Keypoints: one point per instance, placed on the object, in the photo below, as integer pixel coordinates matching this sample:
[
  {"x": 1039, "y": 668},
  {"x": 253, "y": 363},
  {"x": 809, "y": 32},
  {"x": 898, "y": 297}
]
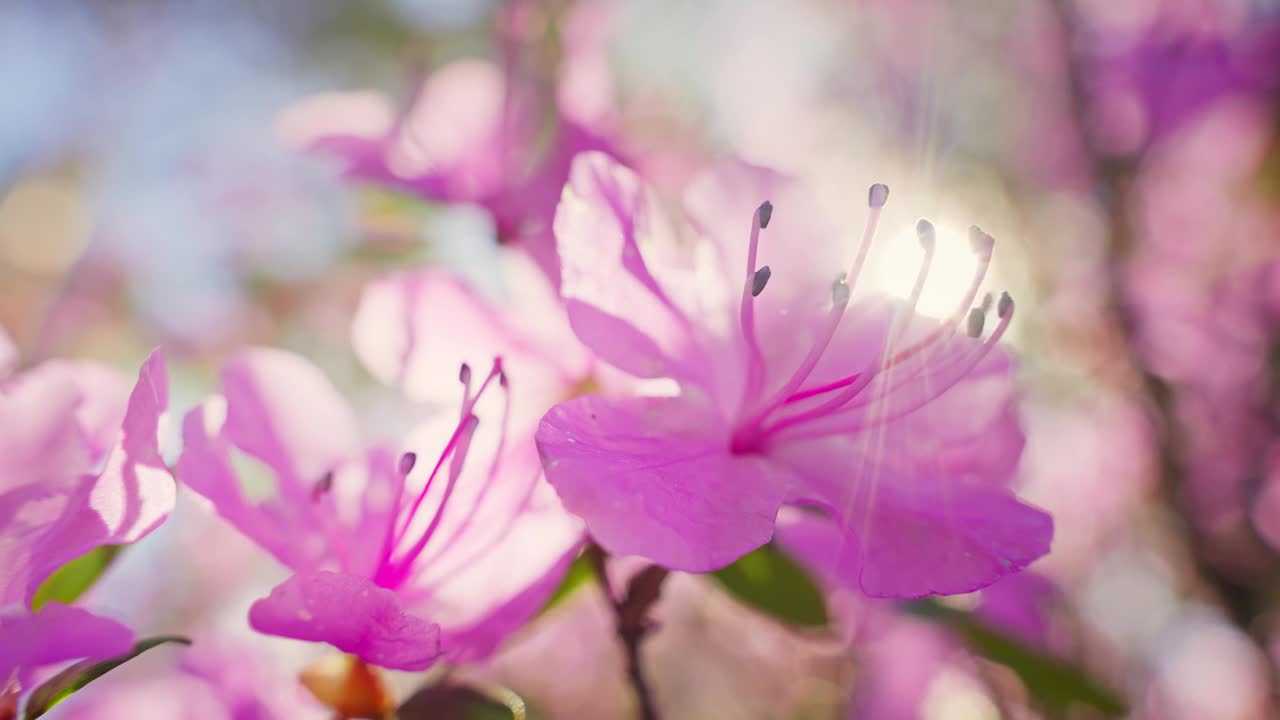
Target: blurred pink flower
[
  {"x": 904, "y": 658},
  {"x": 412, "y": 329},
  {"x": 904, "y": 430},
  {"x": 80, "y": 467},
  {"x": 473, "y": 134},
  {"x": 394, "y": 567},
  {"x": 1143, "y": 81},
  {"x": 213, "y": 679}
]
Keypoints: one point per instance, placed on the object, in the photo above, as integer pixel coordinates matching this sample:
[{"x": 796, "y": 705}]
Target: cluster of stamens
[
  {"x": 409, "y": 530},
  {"x": 796, "y": 410}
]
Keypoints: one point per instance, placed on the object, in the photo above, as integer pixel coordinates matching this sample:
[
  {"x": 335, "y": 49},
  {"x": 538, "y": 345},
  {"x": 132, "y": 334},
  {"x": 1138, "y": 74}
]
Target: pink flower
[
  {"x": 412, "y": 329},
  {"x": 216, "y": 678},
  {"x": 395, "y": 560},
  {"x": 473, "y": 134},
  {"x": 905, "y": 660},
  {"x": 901, "y": 428},
  {"x": 80, "y": 467}
]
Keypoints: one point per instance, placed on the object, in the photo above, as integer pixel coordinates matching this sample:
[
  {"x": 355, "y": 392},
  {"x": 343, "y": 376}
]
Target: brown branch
[{"x": 631, "y": 614}]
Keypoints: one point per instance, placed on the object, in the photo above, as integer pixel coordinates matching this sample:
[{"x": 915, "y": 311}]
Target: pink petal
[
  {"x": 971, "y": 433},
  {"x": 30, "y": 519},
  {"x": 46, "y": 524},
  {"x": 135, "y": 492},
  {"x": 496, "y": 558},
  {"x": 104, "y": 396},
  {"x": 1021, "y": 605},
  {"x": 56, "y": 634},
  {"x": 353, "y": 615},
  {"x": 912, "y": 541},
  {"x": 721, "y": 203},
  {"x": 653, "y": 477},
  {"x": 280, "y": 410},
  {"x": 621, "y": 279},
  {"x": 42, "y": 444},
  {"x": 479, "y": 639},
  {"x": 415, "y": 329},
  {"x": 901, "y": 667},
  {"x": 451, "y": 146}
]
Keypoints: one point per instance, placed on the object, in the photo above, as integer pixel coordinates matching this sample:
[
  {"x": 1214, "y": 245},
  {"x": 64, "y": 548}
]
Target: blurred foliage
[
  {"x": 772, "y": 583},
  {"x": 1054, "y": 683},
  {"x": 70, "y": 581},
  {"x": 459, "y": 702},
  {"x": 580, "y": 573},
  {"x": 60, "y": 686}
]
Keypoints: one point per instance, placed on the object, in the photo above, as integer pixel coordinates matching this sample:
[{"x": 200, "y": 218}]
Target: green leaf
[
  {"x": 773, "y": 583},
  {"x": 1055, "y": 683},
  {"x": 580, "y": 573},
  {"x": 459, "y": 702},
  {"x": 60, "y": 686},
  {"x": 71, "y": 580}
]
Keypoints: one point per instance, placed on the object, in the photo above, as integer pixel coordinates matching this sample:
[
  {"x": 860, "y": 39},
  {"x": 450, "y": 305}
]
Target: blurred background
[{"x": 160, "y": 183}]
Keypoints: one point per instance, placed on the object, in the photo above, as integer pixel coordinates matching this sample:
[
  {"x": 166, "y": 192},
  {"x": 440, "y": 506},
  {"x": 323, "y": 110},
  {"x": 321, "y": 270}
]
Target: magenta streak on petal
[
  {"x": 633, "y": 261},
  {"x": 821, "y": 389},
  {"x": 481, "y": 549}
]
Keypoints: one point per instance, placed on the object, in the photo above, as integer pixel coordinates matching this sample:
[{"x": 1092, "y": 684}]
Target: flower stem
[{"x": 631, "y": 615}]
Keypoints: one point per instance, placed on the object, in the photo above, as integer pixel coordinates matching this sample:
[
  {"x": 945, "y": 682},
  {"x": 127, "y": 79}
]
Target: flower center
[
  {"x": 410, "y": 529},
  {"x": 905, "y": 376}
]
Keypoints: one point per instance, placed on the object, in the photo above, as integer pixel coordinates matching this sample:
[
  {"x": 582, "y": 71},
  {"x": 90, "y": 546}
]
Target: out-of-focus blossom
[
  {"x": 902, "y": 428},
  {"x": 80, "y": 467},
  {"x": 1204, "y": 667},
  {"x": 907, "y": 662},
  {"x": 396, "y": 567},
  {"x": 413, "y": 329},
  {"x": 214, "y": 679},
  {"x": 473, "y": 133},
  {"x": 1147, "y": 73}
]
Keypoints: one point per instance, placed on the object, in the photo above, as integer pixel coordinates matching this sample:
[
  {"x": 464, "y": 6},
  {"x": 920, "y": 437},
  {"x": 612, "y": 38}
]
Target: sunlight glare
[{"x": 895, "y": 262}]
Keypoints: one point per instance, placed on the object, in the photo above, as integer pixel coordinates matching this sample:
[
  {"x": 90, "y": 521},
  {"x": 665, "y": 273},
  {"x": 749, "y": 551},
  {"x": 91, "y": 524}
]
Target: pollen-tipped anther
[
  {"x": 322, "y": 486},
  {"x": 1005, "y": 307},
  {"x": 840, "y": 292},
  {"x": 408, "y": 460},
  {"x": 926, "y": 234},
  {"x": 464, "y": 374},
  {"x": 759, "y": 280},
  {"x": 987, "y": 300},
  {"x": 878, "y": 195},
  {"x": 980, "y": 241},
  {"x": 766, "y": 213},
  {"x": 977, "y": 319}
]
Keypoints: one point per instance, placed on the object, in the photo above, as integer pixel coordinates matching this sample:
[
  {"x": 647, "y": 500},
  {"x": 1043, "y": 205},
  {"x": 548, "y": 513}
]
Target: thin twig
[{"x": 631, "y": 615}]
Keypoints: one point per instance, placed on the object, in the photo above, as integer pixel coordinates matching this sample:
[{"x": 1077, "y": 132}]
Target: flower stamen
[
  {"x": 841, "y": 290},
  {"x": 455, "y": 453},
  {"x": 846, "y": 395},
  {"x": 752, "y": 288}
]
